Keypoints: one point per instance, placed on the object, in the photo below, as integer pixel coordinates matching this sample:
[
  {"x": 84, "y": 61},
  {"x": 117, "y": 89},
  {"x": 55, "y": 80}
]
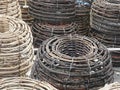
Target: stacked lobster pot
[
  {"x": 73, "y": 63},
  {"x": 105, "y": 24},
  {"x": 82, "y": 16},
  {"x": 52, "y": 17},
  {"x": 25, "y": 14},
  {"x": 16, "y": 50},
  {"x": 10, "y": 8},
  {"x": 23, "y": 83}
]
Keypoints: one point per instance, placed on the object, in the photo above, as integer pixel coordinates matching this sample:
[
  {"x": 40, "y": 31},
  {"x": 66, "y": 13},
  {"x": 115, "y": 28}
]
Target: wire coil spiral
[
  {"x": 10, "y": 8},
  {"x": 105, "y": 24},
  {"x": 16, "y": 50},
  {"x": 24, "y": 83},
  {"x": 73, "y": 63}
]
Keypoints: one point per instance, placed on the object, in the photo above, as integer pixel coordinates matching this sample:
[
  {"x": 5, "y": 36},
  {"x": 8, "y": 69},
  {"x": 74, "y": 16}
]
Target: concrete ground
[{"x": 117, "y": 74}]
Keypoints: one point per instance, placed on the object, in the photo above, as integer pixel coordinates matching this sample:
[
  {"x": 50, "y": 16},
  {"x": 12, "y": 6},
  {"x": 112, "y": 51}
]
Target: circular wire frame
[
  {"x": 10, "y": 8},
  {"x": 73, "y": 63},
  {"x": 43, "y": 31},
  {"x": 16, "y": 49},
  {"x": 24, "y": 83},
  {"x": 105, "y": 24},
  {"x": 53, "y": 11}
]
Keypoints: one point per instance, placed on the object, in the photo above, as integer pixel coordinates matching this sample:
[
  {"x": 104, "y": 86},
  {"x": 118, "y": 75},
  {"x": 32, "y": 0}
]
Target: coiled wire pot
[
  {"x": 25, "y": 14},
  {"x": 16, "y": 50},
  {"x": 53, "y": 11},
  {"x": 82, "y": 16},
  {"x": 10, "y": 8},
  {"x": 105, "y": 25},
  {"x": 23, "y": 83},
  {"x": 42, "y": 31},
  {"x": 73, "y": 63}
]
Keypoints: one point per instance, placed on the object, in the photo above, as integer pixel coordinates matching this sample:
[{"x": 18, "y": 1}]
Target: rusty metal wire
[
  {"x": 24, "y": 83},
  {"x": 82, "y": 16},
  {"x": 73, "y": 63},
  {"x": 53, "y": 11},
  {"x": 25, "y": 14},
  {"x": 16, "y": 50},
  {"x": 43, "y": 31},
  {"x": 105, "y": 24}
]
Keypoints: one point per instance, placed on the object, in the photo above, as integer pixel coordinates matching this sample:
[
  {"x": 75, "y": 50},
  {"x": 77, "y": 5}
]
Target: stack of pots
[
  {"x": 73, "y": 63},
  {"x": 52, "y": 17},
  {"x": 105, "y": 25}
]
